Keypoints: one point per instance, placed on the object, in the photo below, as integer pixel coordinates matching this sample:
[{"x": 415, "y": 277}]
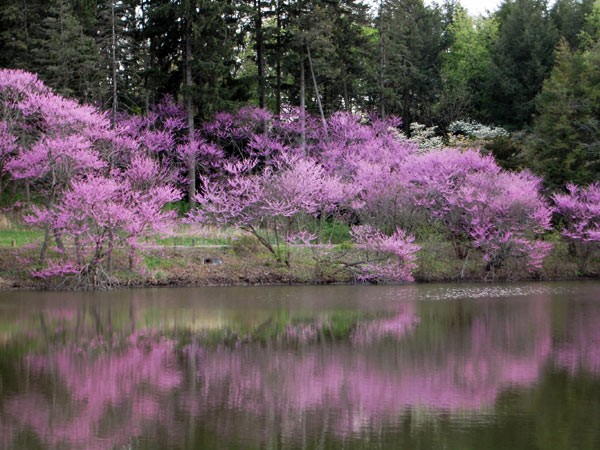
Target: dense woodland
[
  {"x": 529, "y": 66},
  {"x": 283, "y": 118}
]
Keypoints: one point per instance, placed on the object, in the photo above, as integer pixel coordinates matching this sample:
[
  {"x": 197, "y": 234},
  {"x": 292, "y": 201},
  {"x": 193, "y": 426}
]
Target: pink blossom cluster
[
  {"x": 370, "y": 170},
  {"x": 98, "y": 186},
  {"x": 480, "y": 205},
  {"x": 580, "y": 210},
  {"x": 392, "y": 258},
  {"x": 276, "y": 177}
]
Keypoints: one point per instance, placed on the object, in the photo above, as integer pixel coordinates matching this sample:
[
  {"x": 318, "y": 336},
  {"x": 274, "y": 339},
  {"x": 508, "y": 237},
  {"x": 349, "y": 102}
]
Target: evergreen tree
[
  {"x": 590, "y": 34},
  {"x": 522, "y": 57},
  {"x": 339, "y": 52},
  {"x": 121, "y": 60},
  {"x": 410, "y": 45},
  {"x": 21, "y": 27},
  {"x": 565, "y": 143},
  {"x": 68, "y": 58},
  {"x": 569, "y": 17}
]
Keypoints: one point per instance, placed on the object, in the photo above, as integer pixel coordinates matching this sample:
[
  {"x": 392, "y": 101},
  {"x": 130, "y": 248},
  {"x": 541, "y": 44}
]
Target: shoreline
[{"x": 186, "y": 267}]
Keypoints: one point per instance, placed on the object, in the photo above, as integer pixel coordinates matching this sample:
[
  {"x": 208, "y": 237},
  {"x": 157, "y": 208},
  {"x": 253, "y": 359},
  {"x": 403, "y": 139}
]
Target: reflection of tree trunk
[
  {"x": 80, "y": 317},
  {"x": 109, "y": 325},
  {"x": 304, "y": 442},
  {"x": 44, "y": 327},
  {"x": 97, "y": 320},
  {"x": 131, "y": 317},
  {"x": 323, "y": 435}
]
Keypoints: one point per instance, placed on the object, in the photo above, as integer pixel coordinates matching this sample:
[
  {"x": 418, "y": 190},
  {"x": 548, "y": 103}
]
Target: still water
[{"x": 463, "y": 367}]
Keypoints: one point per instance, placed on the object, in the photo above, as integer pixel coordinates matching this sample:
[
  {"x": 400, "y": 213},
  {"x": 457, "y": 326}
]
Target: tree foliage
[
  {"x": 522, "y": 57},
  {"x": 98, "y": 188},
  {"x": 335, "y": 83},
  {"x": 579, "y": 209},
  {"x": 565, "y": 143}
]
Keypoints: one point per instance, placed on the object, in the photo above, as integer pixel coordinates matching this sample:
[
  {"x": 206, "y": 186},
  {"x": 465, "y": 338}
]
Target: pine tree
[
  {"x": 21, "y": 27},
  {"x": 68, "y": 58},
  {"x": 410, "y": 45},
  {"x": 522, "y": 57},
  {"x": 565, "y": 143},
  {"x": 569, "y": 17}
]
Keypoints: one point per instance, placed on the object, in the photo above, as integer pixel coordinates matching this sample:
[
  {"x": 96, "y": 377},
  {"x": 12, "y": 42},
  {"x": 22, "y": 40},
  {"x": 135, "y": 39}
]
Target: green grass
[
  {"x": 22, "y": 236},
  {"x": 19, "y": 237},
  {"x": 191, "y": 241},
  {"x": 335, "y": 232},
  {"x": 153, "y": 262}
]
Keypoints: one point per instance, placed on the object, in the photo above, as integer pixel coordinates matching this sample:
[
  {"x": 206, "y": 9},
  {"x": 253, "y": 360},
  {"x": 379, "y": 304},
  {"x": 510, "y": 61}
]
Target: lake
[{"x": 442, "y": 366}]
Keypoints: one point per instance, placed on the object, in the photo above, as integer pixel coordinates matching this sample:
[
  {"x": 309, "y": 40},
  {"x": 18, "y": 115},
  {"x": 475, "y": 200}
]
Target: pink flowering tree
[
  {"x": 31, "y": 113},
  {"x": 350, "y": 140},
  {"x": 55, "y": 140},
  {"x": 272, "y": 205},
  {"x": 386, "y": 258},
  {"x": 98, "y": 214},
  {"x": 503, "y": 216},
  {"x": 480, "y": 205},
  {"x": 249, "y": 133},
  {"x": 579, "y": 210},
  {"x": 96, "y": 187},
  {"x": 367, "y": 153},
  {"x": 159, "y": 134}
]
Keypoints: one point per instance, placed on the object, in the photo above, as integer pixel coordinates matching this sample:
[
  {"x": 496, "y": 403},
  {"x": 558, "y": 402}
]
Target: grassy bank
[{"x": 212, "y": 257}]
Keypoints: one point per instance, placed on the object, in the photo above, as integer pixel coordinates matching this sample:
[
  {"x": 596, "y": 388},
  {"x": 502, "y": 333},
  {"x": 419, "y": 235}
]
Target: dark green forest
[{"x": 531, "y": 66}]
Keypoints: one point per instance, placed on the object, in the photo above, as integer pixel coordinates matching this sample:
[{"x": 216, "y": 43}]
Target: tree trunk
[
  {"x": 58, "y": 239},
  {"x": 345, "y": 87},
  {"x": 147, "y": 61},
  {"x": 314, "y": 79},
  {"x": 302, "y": 104},
  {"x": 189, "y": 103},
  {"x": 45, "y": 243},
  {"x": 381, "y": 63},
  {"x": 115, "y": 100},
  {"x": 260, "y": 53},
  {"x": 278, "y": 62}
]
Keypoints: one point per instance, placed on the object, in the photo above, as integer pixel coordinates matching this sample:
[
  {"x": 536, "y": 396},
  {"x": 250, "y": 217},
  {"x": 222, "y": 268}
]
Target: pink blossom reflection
[
  {"x": 126, "y": 390},
  {"x": 376, "y": 384},
  {"x": 418, "y": 358},
  {"x": 580, "y": 348}
]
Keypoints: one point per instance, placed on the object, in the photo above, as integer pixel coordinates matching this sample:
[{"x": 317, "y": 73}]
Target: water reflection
[
  {"x": 166, "y": 374},
  {"x": 74, "y": 395}
]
